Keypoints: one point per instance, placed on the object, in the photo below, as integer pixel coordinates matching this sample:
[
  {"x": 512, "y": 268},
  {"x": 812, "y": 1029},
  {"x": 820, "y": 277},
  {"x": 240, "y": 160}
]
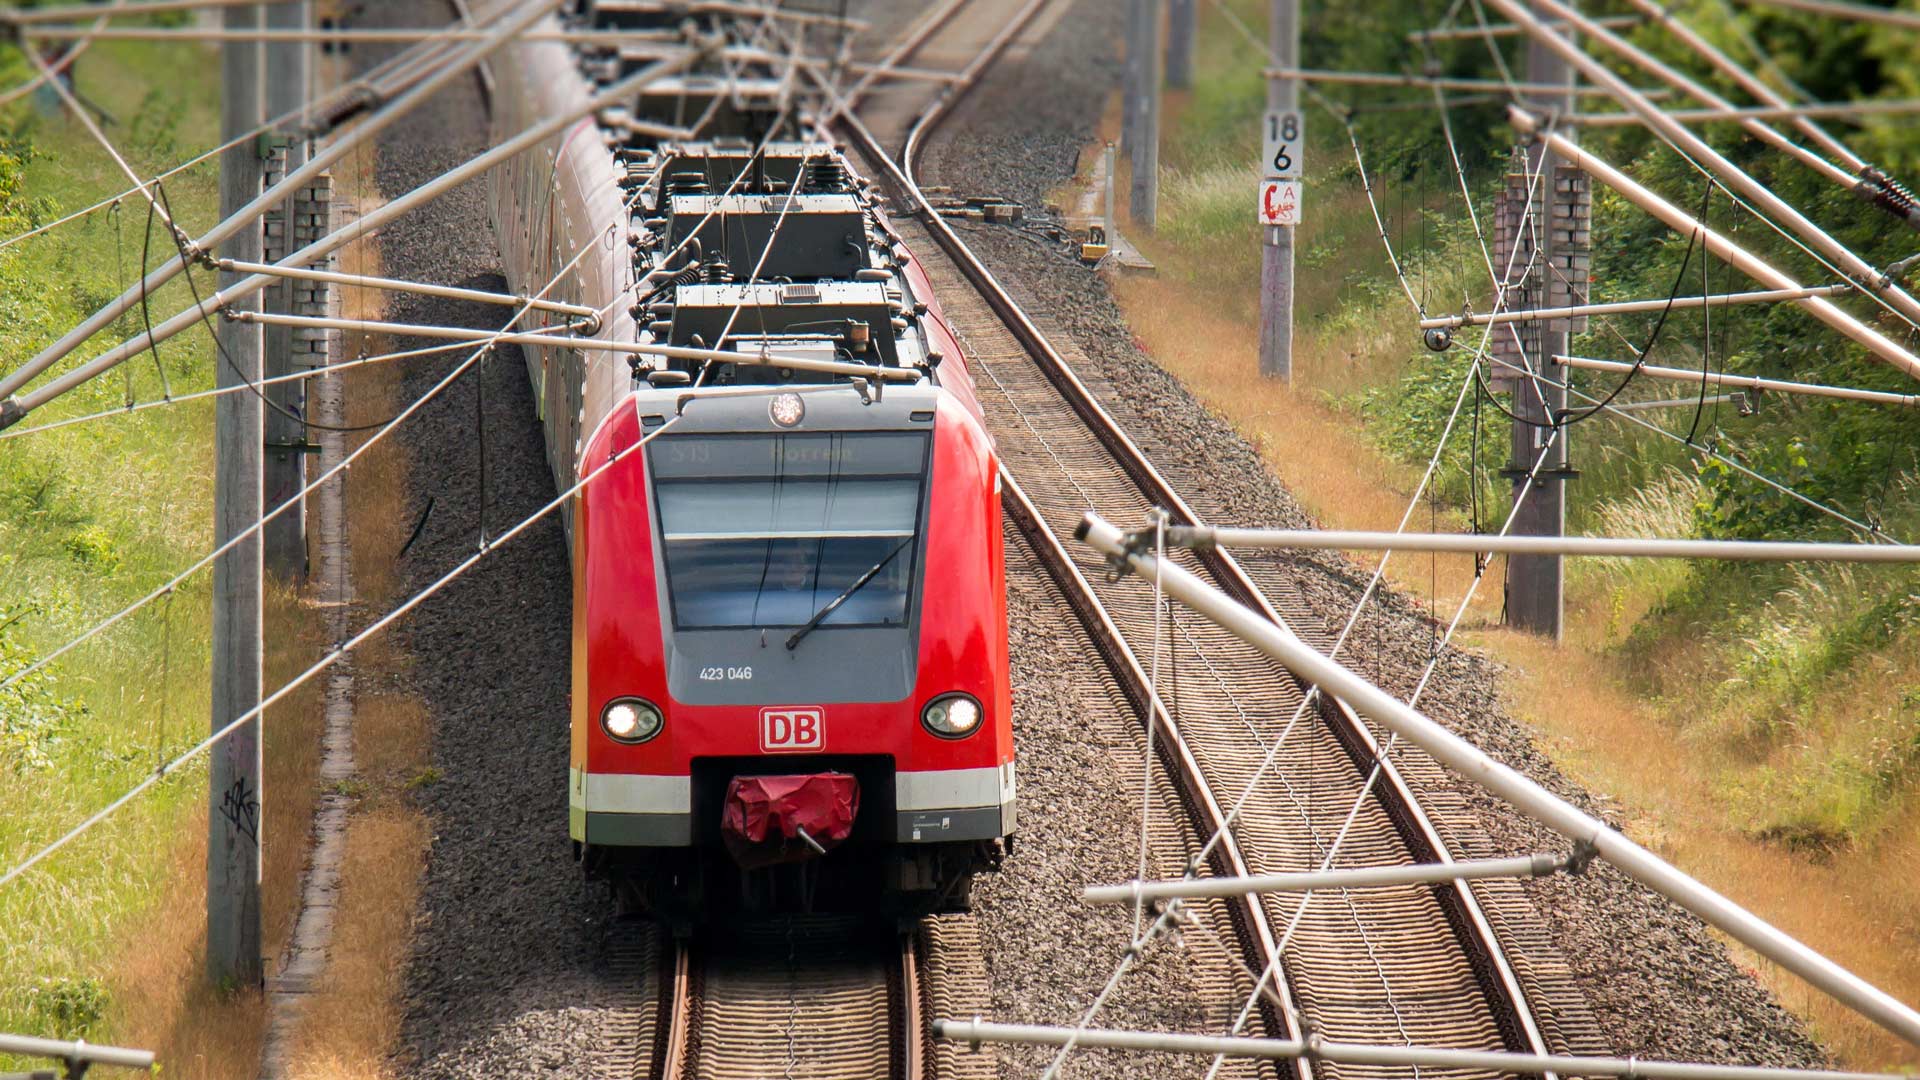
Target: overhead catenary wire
[
  {"x": 61, "y": 64},
  {"x": 1261, "y": 981},
  {"x": 1432, "y": 467},
  {"x": 202, "y": 395},
  {"x": 451, "y": 67},
  {"x": 1625, "y": 307},
  {"x": 53, "y": 13},
  {"x": 1864, "y": 528},
  {"x": 13, "y": 409},
  {"x": 1777, "y": 209},
  {"x": 1717, "y": 243},
  {"x": 328, "y": 660},
  {"x": 486, "y": 341},
  {"x": 1744, "y": 382},
  {"x": 1522, "y": 792},
  {"x": 1886, "y": 16},
  {"x": 326, "y": 101},
  {"x": 1843, "y": 110}
]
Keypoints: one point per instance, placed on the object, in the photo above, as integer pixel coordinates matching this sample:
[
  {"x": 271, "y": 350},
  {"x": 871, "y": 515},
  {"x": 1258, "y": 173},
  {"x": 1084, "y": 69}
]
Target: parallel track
[{"x": 1416, "y": 965}]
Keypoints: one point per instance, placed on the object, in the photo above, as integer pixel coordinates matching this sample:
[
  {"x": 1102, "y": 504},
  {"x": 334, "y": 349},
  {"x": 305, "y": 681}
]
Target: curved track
[{"x": 1392, "y": 966}]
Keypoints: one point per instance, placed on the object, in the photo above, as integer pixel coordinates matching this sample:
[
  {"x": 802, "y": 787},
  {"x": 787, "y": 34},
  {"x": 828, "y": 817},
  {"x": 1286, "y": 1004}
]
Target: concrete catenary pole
[
  {"x": 1183, "y": 24},
  {"x": 1276, "y": 255},
  {"x": 1143, "y": 42},
  {"x": 1535, "y": 582},
  {"x": 286, "y": 536},
  {"x": 233, "y": 779}
]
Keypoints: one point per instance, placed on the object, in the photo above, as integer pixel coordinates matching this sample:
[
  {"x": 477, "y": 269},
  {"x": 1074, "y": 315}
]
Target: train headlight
[
  {"x": 952, "y": 716},
  {"x": 631, "y": 720}
]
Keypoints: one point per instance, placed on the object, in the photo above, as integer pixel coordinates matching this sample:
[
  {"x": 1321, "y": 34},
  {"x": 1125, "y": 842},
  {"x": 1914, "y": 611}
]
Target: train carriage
[{"x": 790, "y": 666}]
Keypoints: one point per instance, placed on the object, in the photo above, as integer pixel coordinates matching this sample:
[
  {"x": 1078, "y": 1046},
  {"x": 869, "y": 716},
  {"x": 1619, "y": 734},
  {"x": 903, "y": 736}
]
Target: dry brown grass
[
  {"x": 353, "y": 1019},
  {"x": 161, "y": 1000}
]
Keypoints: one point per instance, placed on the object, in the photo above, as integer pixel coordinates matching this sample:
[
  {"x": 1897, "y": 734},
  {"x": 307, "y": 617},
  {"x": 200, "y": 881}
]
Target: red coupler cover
[{"x": 763, "y": 816}]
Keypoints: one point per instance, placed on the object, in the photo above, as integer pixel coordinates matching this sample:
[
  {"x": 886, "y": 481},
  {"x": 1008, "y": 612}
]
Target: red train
[{"x": 790, "y": 671}]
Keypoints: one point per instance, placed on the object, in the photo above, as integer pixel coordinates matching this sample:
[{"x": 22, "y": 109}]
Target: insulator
[
  {"x": 872, "y": 273},
  {"x": 717, "y": 272},
  {"x": 826, "y": 173},
  {"x": 660, "y": 329}
]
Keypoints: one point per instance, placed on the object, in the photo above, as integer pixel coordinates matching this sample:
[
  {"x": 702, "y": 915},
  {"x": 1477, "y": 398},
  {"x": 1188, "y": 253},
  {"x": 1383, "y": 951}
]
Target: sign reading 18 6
[{"x": 1282, "y": 135}]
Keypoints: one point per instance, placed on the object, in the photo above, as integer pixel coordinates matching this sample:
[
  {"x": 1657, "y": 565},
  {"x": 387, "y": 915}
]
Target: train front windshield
[{"x": 769, "y": 530}]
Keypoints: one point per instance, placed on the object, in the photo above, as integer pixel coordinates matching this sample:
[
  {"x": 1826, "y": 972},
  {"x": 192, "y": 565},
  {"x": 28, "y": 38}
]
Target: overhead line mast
[{"x": 234, "y": 817}]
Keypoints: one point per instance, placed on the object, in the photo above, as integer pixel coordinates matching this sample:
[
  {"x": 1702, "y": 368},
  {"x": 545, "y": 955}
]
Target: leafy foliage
[{"x": 34, "y": 718}]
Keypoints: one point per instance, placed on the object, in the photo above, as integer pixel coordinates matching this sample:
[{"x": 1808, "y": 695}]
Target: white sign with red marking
[
  {"x": 1279, "y": 202},
  {"x": 793, "y": 728}
]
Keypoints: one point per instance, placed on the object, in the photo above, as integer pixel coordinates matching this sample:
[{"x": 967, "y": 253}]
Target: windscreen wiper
[{"x": 793, "y": 642}]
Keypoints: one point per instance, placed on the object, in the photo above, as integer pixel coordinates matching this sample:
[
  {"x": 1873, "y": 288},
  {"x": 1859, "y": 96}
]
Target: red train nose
[{"x": 768, "y": 820}]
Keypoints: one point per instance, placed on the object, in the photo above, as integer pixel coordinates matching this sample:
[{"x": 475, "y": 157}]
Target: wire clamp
[{"x": 191, "y": 251}]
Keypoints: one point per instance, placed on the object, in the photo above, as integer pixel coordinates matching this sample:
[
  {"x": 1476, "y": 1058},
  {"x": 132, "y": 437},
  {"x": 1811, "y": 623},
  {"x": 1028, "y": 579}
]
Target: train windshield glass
[{"x": 766, "y": 530}]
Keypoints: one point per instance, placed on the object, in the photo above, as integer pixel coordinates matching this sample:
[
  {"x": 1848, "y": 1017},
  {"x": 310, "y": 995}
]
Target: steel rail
[
  {"x": 682, "y": 1007},
  {"x": 1500, "y": 983},
  {"x": 676, "y": 1015},
  {"x": 907, "y": 1022}
]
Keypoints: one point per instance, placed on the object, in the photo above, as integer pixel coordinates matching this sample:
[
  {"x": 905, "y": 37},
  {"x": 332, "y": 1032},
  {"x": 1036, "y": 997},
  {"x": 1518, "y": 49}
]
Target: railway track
[
  {"x": 798, "y": 996},
  {"x": 1393, "y": 966}
]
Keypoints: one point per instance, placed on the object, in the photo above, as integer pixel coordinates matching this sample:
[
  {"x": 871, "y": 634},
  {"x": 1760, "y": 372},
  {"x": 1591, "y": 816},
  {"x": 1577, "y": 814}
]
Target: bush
[
  {"x": 33, "y": 719},
  {"x": 70, "y": 1006}
]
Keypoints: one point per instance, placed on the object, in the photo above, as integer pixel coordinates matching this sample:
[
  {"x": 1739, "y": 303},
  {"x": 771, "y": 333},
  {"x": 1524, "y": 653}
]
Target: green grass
[{"x": 92, "y": 517}]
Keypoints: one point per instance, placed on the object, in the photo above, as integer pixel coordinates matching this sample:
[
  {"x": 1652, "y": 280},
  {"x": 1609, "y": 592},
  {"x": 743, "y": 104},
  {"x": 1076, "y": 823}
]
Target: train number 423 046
[{"x": 723, "y": 674}]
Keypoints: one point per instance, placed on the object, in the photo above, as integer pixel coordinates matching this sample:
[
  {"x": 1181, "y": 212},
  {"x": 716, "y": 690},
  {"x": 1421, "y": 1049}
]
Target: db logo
[{"x": 793, "y": 728}]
